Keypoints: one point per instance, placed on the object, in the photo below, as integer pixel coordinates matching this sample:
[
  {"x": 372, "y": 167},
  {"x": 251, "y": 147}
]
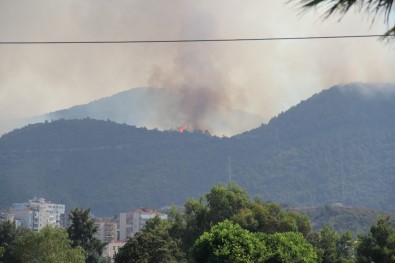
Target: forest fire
[{"x": 181, "y": 129}]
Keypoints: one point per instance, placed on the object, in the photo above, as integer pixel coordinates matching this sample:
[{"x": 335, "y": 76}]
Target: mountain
[
  {"x": 151, "y": 108},
  {"x": 335, "y": 147},
  {"x": 107, "y": 166}
]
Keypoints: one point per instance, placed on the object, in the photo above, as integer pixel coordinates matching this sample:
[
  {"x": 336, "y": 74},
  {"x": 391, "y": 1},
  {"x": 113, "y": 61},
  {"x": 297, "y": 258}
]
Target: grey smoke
[{"x": 264, "y": 78}]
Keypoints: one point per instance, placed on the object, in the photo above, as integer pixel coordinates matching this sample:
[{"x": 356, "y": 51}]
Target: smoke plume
[
  {"x": 263, "y": 78},
  {"x": 199, "y": 88}
]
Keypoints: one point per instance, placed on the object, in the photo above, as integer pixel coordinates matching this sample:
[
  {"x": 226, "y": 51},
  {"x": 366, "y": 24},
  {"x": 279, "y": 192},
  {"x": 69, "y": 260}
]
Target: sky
[{"x": 261, "y": 77}]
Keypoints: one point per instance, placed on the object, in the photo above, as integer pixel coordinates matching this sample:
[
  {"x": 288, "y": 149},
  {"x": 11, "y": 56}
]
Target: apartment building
[
  {"x": 106, "y": 230},
  {"x": 134, "y": 221},
  {"x": 112, "y": 248},
  {"x": 38, "y": 213}
]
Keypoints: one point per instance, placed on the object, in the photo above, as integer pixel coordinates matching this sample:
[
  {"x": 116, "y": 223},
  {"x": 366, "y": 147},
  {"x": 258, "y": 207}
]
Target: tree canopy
[
  {"x": 379, "y": 244},
  {"x": 228, "y": 243},
  {"x": 343, "y": 6},
  {"x": 226, "y": 214},
  {"x": 244, "y": 231},
  {"x": 154, "y": 243},
  {"x": 81, "y": 232},
  {"x": 50, "y": 245},
  {"x": 2, "y": 250},
  {"x": 332, "y": 246},
  {"x": 288, "y": 247},
  {"x": 9, "y": 234}
]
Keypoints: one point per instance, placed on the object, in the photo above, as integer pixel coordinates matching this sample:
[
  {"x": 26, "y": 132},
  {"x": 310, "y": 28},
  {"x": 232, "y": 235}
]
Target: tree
[
  {"x": 379, "y": 244},
  {"x": 327, "y": 245},
  {"x": 153, "y": 244},
  {"x": 50, "y": 245},
  {"x": 231, "y": 202},
  {"x": 228, "y": 243},
  {"x": 2, "y": 250},
  {"x": 343, "y": 6},
  {"x": 8, "y": 236},
  {"x": 345, "y": 248},
  {"x": 270, "y": 218},
  {"x": 224, "y": 202},
  {"x": 171, "y": 240},
  {"x": 333, "y": 247},
  {"x": 221, "y": 203},
  {"x": 81, "y": 233},
  {"x": 288, "y": 247}
]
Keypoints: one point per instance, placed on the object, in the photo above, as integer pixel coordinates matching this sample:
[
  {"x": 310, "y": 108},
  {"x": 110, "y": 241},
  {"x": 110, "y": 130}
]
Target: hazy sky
[{"x": 260, "y": 77}]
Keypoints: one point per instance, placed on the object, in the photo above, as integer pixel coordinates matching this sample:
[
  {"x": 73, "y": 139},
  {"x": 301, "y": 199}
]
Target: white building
[
  {"x": 112, "y": 248},
  {"x": 37, "y": 213},
  {"x": 133, "y": 221},
  {"x": 106, "y": 230}
]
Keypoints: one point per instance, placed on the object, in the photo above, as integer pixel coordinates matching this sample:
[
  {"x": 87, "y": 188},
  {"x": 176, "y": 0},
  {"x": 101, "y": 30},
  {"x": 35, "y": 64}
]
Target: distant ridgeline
[
  {"x": 153, "y": 108},
  {"x": 336, "y": 147}
]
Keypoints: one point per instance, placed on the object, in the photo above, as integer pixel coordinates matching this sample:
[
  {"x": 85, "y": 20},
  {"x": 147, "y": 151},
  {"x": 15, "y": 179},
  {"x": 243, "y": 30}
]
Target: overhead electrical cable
[{"x": 188, "y": 40}]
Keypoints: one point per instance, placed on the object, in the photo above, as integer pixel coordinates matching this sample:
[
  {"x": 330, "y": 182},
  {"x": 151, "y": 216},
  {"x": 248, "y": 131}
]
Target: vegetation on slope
[
  {"x": 341, "y": 219},
  {"x": 336, "y": 147}
]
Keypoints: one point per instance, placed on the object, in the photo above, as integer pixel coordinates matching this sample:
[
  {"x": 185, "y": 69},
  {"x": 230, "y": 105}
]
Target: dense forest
[{"x": 335, "y": 147}]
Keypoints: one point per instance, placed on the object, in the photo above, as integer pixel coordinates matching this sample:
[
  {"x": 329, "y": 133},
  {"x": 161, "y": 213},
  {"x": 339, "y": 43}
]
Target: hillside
[
  {"x": 150, "y": 108},
  {"x": 106, "y": 166},
  {"x": 357, "y": 220},
  {"x": 336, "y": 147}
]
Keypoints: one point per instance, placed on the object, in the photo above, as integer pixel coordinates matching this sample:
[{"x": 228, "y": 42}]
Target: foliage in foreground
[
  {"x": 153, "y": 244},
  {"x": 76, "y": 244},
  {"x": 332, "y": 246},
  {"x": 50, "y": 245},
  {"x": 379, "y": 244},
  {"x": 9, "y": 234},
  {"x": 227, "y": 242},
  {"x": 225, "y": 225},
  {"x": 226, "y": 213},
  {"x": 237, "y": 232},
  {"x": 81, "y": 233},
  {"x": 343, "y": 6},
  {"x": 289, "y": 247},
  {"x": 232, "y": 203}
]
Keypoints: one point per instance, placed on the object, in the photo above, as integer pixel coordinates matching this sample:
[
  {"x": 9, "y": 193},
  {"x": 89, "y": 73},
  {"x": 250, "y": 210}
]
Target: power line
[{"x": 186, "y": 40}]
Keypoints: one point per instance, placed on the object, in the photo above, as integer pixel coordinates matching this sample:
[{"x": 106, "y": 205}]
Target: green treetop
[
  {"x": 379, "y": 244},
  {"x": 50, "y": 245},
  {"x": 81, "y": 233}
]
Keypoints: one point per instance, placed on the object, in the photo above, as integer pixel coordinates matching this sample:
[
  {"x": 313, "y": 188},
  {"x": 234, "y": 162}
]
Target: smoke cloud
[
  {"x": 264, "y": 78},
  {"x": 199, "y": 88}
]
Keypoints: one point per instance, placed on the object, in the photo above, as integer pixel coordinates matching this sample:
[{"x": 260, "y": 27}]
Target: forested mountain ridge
[
  {"x": 350, "y": 106},
  {"x": 103, "y": 165},
  {"x": 336, "y": 147},
  {"x": 153, "y": 108}
]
